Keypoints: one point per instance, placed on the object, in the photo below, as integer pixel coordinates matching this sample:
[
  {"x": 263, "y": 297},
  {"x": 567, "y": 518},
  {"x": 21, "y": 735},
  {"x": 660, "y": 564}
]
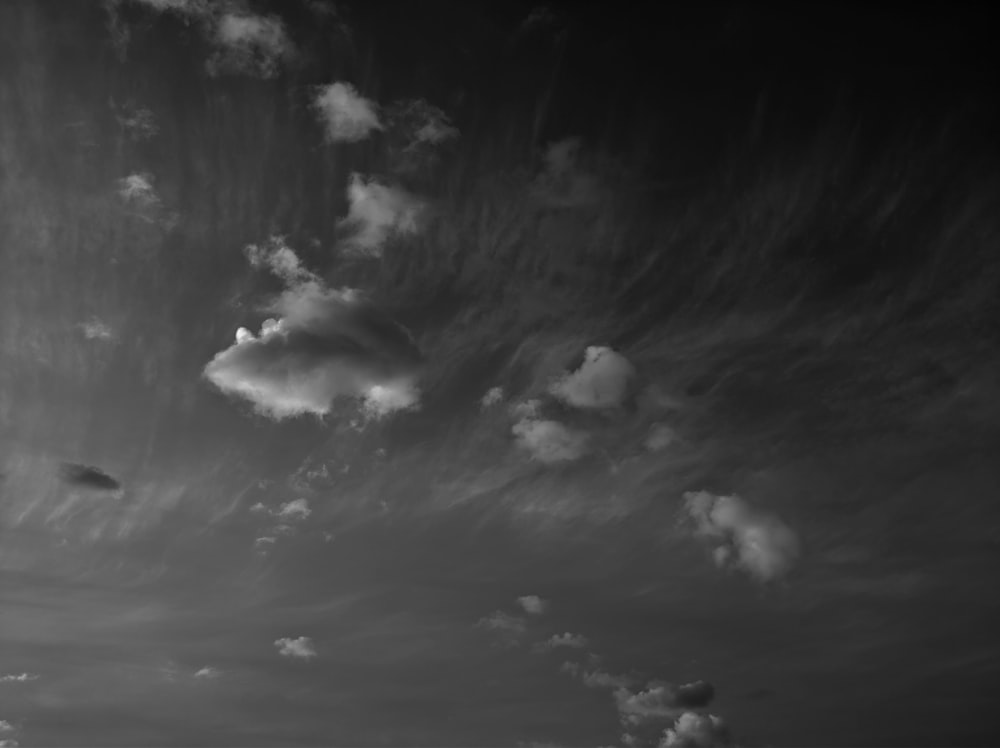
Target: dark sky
[{"x": 498, "y": 374}]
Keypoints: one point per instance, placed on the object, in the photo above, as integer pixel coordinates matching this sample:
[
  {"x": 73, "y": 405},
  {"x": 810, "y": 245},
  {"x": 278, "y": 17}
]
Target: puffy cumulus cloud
[
  {"x": 602, "y": 381},
  {"x": 693, "y": 730},
  {"x": 376, "y": 213},
  {"x": 324, "y": 344},
  {"x": 760, "y": 544},
  {"x": 493, "y": 396},
  {"x": 249, "y": 44},
  {"x": 6, "y": 726},
  {"x": 643, "y": 713},
  {"x": 187, "y": 7},
  {"x": 137, "y": 190},
  {"x": 275, "y": 255},
  {"x": 208, "y": 673},
  {"x": 301, "y": 648},
  {"x": 549, "y": 441},
  {"x": 347, "y": 117},
  {"x": 533, "y": 604},
  {"x": 562, "y": 183},
  {"x": 297, "y": 509},
  {"x": 18, "y": 677},
  {"x": 573, "y": 641},
  {"x": 95, "y": 329}
]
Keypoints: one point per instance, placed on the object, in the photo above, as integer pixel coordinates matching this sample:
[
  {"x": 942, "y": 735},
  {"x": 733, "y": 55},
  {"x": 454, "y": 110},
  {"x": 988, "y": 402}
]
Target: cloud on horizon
[
  {"x": 347, "y": 117},
  {"x": 301, "y": 648},
  {"x": 376, "y": 213},
  {"x": 759, "y": 544},
  {"x": 324, "y": 344}
]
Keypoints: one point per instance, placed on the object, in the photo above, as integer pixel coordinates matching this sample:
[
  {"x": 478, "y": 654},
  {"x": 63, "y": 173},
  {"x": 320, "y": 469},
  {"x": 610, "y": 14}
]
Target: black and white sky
[{"x": 470, "y": 373}]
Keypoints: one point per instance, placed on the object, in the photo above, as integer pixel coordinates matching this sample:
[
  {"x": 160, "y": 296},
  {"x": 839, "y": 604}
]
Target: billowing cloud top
[
  {"x": 300, "y": 648},
  {"x": 600, "y": 382},
  {"x": 758, "y": 543},
  {"x": 323, "y": 345},
  {"x": 347, "y": 116},
  {"x": 295, "y": 509}
]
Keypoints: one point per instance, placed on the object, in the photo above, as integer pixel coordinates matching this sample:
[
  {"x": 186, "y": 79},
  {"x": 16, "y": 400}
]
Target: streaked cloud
[
  {"x": 376, "y": 213},
  {"x": 533, "y": 604},
  {"x": 208, "y": 673},
  {"x": 758, "y": 543},
  {"x": 347, "y": 117},
  {"x": 19, "y": 678},
  {"x": 572, "y": 641},
  {"x": 299, "y": 648},
  {"x": 323, "y": 345},
  {"x": 563, "y": 183},
  {"x": 601, "y": 381}
]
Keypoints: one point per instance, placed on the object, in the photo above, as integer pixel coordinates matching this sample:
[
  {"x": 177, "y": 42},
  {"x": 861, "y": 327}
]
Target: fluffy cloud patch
[
  {"x": 137, "y": 190},
  {"x": 696, "y": 731},
  {"x": 301, "y": 648},
  {"x": 18, "y": 678},
  {"x": 643, "y": 713},
  {"x": 94, "y": 329},
  {"x": 376, "y": 213},
  {"x": 601, "y": 381},
  {"x": 533, "y": 604},
  {"x": 507, "y": 628},
  {"x": 573, "y": 641},
  {"x": 323, "y": 345},
  {"x": 207, "y": 673},
  {"x": 549, "y": 441},
  {"x": 493, "y": 396},
  {"x": 297, "y": 509},
  {"x": 6, "y": 726},
  {"x": 347, "y": 116},
  {"x": 760, "y": 544},
  {"x": 249, "y": 44}
]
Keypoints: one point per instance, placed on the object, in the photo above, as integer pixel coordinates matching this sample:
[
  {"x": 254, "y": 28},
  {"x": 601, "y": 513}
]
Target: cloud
[
  {"x": 562, "y": 183},
  {"x": 760, "y": 544},
  {"x": 300, "y": 648},
  {"x": 137, "y": 122},
  {"x": 280, "y": 259},
  {"x": 642, "y": 713},
  {"x": 493, "y": 396},
  {"x": 259, "y": 508},
  {"x": 324, "y": 344},
  {"x": 376, "y": 213},
  {"x": 94, "y": 329},
  {"x": 533, "y": 604},
  {"x": 696, "y": 731},
  {"x": 347, "y": 116},
  {"x": 137, "y": 189},
  {"x": 189, "y": 7},
  {"x": 89, "y": 477},
  {"x": 249, "y": 44},
  {"x": 508, "y": 628},
  {"x": 297, "y": 509},
  {"x": 660, "y": 436},
  {"x": 208, "y": 673},
  {"x": 549, "y": 441},
  {"x": 600, "y": 382},
  {"x": 6, "y": 726},
  {"x": 18, "y": 678},
  {"x": 9, "y": 743},
  {"x": 573, "y": 641}
]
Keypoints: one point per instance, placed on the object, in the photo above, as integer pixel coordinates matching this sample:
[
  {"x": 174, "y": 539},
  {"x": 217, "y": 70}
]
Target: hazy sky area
[{"x": 466, "y": 373}]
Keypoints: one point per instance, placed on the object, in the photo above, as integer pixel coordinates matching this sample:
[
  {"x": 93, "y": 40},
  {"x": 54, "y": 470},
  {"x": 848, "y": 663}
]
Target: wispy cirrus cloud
[
  {"x": 301, "y": 648},
  {"x": 346, "y": 115},
  {"x": 324, "y": 344}
]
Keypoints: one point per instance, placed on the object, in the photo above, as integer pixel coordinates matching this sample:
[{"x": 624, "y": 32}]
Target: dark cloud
[{"x": 87, "y": 476}]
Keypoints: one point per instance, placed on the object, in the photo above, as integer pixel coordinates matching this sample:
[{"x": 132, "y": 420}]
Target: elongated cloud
[
  {"x": 18, "y": 678},
  {"x": 506, "y": 627},
  {"x": 207, "y": 673},
  {"x": 601, "y": 381},
  {"x": 88, "y": 477},
  {"x": 323, "y": 345},
  {"x": 760, "y": 544},
  {"x": 347, "y": 116},
  {"x": 301, "y": 648},
  {"x": 137, "y": 190},
  {"x": 377, "y": 212}
]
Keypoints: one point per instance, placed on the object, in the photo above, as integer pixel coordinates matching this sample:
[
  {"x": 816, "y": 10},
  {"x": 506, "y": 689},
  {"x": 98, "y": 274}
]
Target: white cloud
[
  {"x": 275, "y": 255},
  {"x": 249, "y": 44},
  {"x": 660, "y": 436},
  {"x": 18, "y": 678},
  {"x": 6, "y": 726},
  {"x": 696, "y": 731},
  {"x": 604, "y": 679},
  {"x": 259, "y": 508},
  {"x": 301, "y": 648},
  {"x": 493, "y": 396},
  {"x": 323, "y": 345},
  {"x": 376, "y": 213},
  {"x": 9, "y": 743},
  {"x": 533, "y": 604},
  {"x": 137, "y": 190},
  {"x": 573, "y": 641},
  {"x": 297, "y": 509},
  {"x": 208, "y": 673},
  {"x": 758, "y": 543},
  {"x": 262, "y": 543},
  {"x": 94, "y": 329},
  {"x": 600, "y": 382},
  {"x": 347, "y": 116},
  {"x": 549, "y": 441}
]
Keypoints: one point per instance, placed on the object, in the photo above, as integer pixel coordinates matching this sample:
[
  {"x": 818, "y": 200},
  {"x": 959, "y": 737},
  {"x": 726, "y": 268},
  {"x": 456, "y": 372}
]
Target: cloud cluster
[
  {"x": 546, "y": 440},
  {"x": 88, "y": 477},
  {"x": 324, "y": 344},
  {"x": 347, "y": 117},
  {"x": 602, "y": 381},
  {"x": 377, "y": 212},
  {"x": 758, "y": 543},
  {"x": 693, "y": 730},
  {"x": 300, "y": 648},
  {"x": 297, "y": 509}
]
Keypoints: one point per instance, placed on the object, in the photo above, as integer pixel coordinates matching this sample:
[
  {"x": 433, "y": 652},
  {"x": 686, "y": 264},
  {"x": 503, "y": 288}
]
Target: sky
[{"x": 498, "y": 374}]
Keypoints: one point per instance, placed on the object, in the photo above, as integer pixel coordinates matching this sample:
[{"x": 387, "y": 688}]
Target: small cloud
[
  {"x": 507, "y": 627},
  {"x": 660, "y": 436},
  {"x": 376, "y": 213},
  {"x": 249, "y": 44},
  {"x": 94, "y": 329},
  {"x": 604, "y": 679},
  {"x": 275, "y": 255},
  {"x": 138, "y": 123},
  {"x": 19, "y": 678},
  {"x": 693, "y": 730},
  {"x": 9, "y": 743},
  {"x": 760, "y": 544},
  {"x": 6, "y": 726},
  {"x": 297, "y": 509},
  {"x": 138, "y": 190},
  {"x": 89, "y": 477},
  {"x": 208, "y": 673},
  {"x": 533, "y": 604},
  {"x": 601, "y": 381},
  {"x": 347, "y": 116},
  {"x": 562, "y": 183},
  {"x": 259, "y": 508},
  {"x": 300, "y": 648},
  {"x": 263, "y": 544},
  {"x": 493, "y": 396},
  {"x": 574, "y": 641},
  {"x": 549, "y": 441}
]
